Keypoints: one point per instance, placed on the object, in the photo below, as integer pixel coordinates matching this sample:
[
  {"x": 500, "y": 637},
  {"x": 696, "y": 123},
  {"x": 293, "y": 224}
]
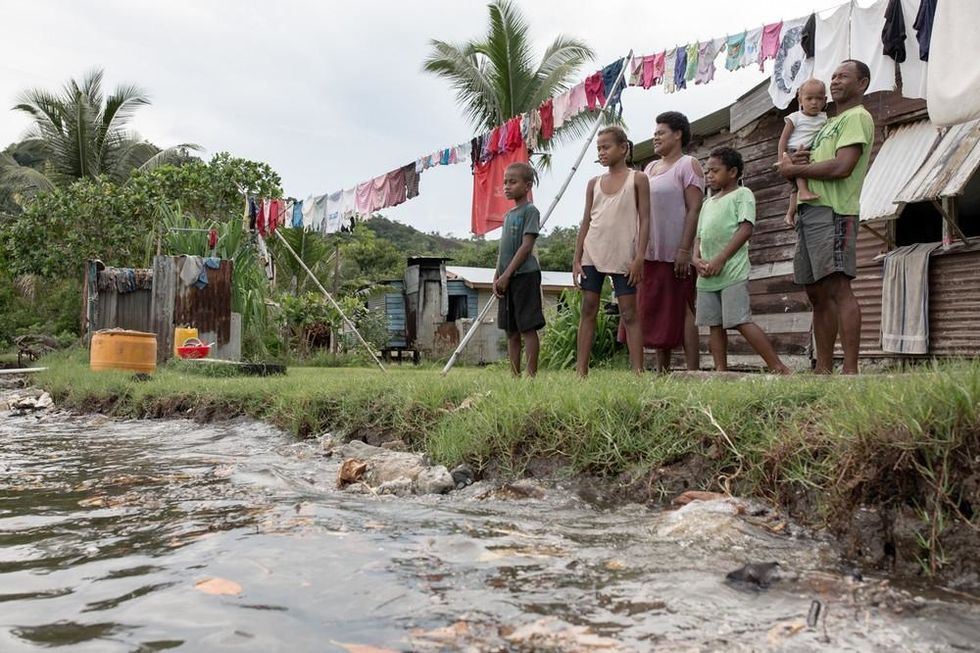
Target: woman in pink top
[{"x": 665, "y": 300}]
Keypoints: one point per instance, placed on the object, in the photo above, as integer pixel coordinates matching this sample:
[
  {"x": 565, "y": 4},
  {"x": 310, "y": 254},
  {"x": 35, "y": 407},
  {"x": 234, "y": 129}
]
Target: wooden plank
[
  {"x": 767, "y": 270},
  {"x": 779, "y": 323},
  {"x": 163, "y": 293},
  {"x": 749, "y": 107}
]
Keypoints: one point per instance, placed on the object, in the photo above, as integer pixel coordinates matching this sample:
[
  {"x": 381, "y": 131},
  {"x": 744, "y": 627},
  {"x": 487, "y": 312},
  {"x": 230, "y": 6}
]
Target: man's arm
[{"x": 841, "y": 166}]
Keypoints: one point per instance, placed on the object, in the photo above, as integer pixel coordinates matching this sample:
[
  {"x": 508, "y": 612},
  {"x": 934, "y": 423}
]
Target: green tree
[
  {"x": 496, "y": 78},
  {"x": 82, "y": 133}
]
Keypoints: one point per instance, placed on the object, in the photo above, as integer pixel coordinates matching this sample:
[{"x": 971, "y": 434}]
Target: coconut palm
[
  {"x": 495, "y": 78},
  {"x": 82, "y": 133}
]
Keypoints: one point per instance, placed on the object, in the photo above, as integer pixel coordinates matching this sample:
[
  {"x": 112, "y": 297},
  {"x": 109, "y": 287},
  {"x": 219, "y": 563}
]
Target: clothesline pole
[
  {"x": 547, "y": 214},
  {"x": 332, "y": 301}
]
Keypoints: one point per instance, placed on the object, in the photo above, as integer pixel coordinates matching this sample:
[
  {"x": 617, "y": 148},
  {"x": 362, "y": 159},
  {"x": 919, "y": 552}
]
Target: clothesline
[{"x": 804, "y": 47}]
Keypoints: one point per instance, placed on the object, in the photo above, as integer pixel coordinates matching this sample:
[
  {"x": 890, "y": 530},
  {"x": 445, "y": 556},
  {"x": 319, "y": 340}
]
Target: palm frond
[{"x": 475, "y": 92}]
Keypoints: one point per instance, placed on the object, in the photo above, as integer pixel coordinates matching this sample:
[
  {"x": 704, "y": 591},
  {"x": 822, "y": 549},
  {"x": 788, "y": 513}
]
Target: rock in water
[
  {"x": 434, "y": 480},
  {"x": 463, "y": 475},
  {"x": 755, "y": 574},
  {"x": 44, "y": 401}
]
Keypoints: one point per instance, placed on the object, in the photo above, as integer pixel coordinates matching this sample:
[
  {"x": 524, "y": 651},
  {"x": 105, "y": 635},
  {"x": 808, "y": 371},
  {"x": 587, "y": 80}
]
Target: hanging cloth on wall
[
  {"x": 866, "y": 26},
  {"x": 809, "y": 39},
  {"x": 914, "y": 70},
  {"x": 489, "y": 203}
]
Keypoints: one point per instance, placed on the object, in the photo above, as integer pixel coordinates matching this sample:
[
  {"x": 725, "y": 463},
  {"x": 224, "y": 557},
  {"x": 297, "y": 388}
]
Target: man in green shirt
[{"x": 826, "y": 247}]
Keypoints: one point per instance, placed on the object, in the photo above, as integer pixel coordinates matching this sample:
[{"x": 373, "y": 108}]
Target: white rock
[
  {"x": 434, "y": 480},
  {"x": 44, "y": 401}
]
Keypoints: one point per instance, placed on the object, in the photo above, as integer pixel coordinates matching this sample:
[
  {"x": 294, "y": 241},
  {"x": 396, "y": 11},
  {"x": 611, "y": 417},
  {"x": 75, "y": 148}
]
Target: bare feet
[
  {"x": 781, "y": 369},
  {"x": 807, "y": 195}
]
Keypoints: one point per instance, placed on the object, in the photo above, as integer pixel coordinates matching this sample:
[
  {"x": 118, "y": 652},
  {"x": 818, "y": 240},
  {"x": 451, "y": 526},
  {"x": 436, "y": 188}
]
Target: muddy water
[{"x": 109, "y": 530}]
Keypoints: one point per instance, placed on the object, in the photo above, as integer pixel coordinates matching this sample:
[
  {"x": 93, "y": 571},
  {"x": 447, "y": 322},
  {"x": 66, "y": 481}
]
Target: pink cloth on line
[
  {"x": 770, "y": 42},
  {"x": 653, "y": 69},
  {"x": 362, "y": 197},
  {"x": 577, "y": 101},
  {"x": 379, "y": 192},
  {"x": 395, "y": 188},
  {"x": 595, "y": 91}
]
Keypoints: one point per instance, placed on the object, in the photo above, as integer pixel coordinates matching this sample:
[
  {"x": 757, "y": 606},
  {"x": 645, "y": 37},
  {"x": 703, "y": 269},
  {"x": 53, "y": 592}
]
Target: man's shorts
[
  {"x": 519, "y": 311},
  {"x": 826, "y": 242},
  {"x": 592, "y": 281},
  {"x": 728, "y": 307}
]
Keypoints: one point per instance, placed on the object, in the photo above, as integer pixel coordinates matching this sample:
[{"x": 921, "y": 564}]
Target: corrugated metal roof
[
  {"x": 946, "y": 172},
  {"x": 900, "y": 157},
  {"x": 477, "y": 277}
]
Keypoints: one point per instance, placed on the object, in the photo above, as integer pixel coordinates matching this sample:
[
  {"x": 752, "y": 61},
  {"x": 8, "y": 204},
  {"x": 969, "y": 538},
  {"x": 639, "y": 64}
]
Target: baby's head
[{"x": 812, "y": 97}]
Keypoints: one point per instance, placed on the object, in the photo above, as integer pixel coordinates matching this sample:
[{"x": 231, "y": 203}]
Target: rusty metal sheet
[
  {"x": 900, "y": 157},
  {"x": 949, "y": 167},
  {"x": 208, "y": 309},
  {"x": 954, "y": 304}
]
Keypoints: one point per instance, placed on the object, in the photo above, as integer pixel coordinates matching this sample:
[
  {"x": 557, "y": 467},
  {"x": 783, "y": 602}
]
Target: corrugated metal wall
[
  {"x": 209, "y": 308},
  {"x": 954, "y": 304}
]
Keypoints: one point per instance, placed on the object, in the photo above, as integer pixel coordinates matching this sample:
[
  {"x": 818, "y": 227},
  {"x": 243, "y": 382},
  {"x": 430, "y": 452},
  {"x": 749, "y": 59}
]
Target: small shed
[
  {"x": 158, "y": 299},
  {"x": 921, "y": 187}
]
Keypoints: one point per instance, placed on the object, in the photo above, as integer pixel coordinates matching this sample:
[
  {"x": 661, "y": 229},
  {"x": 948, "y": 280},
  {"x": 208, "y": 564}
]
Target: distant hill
[{"x": 412, "y": 241}]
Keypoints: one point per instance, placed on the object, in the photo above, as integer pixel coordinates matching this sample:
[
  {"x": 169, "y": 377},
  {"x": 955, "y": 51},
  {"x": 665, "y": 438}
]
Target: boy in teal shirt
[
  {"x": 517, "y": 280},
  {"x": 721, "y": 256}
]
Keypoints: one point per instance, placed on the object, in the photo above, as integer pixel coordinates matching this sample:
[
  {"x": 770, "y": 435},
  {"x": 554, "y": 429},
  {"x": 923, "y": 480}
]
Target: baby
[{"x": 800, "y": 130}]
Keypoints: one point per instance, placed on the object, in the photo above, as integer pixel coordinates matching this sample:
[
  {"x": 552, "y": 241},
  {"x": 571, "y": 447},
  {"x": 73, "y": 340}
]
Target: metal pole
[
  {"x": 336, "y": 306},
  {"x": 547, "y": 214}
]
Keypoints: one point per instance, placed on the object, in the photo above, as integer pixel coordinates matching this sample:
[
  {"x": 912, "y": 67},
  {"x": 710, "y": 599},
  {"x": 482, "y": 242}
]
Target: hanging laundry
[
  {"x": 595, "y": 93},
  {"x": 866, "y": 26},
  {"x": 395, "y": 188},
  {"x": 362, "y": 198},
  {"x": 753, "y": 46},
  {"x": 547, "y": 113},
  {"x": 514, "y": 137},
  {"x": 578, "y": 101},
  {"x": 561, "y": 108},
  {"x": 735, "y": 47},
  {"x": 412, "y": 179},
  {"x": 297, "y": 217},
  {"x": 636, "y": 72},
  {"x": 308, "y": 205},
  {"x": 379, "y": 193},
  {"x": 924, "y": 20},
  {"x": 680, "y": 67},
  {"x": 809, "y": 39},
  {"x": 893, "y": 34},
  {"x": 914, "y": 70},
  {"x": 533, "y": 133},
  {"x": 274, "y": 216},
  {"x": 670, "y": 62},
  {"x": 444, "y": 157},
  {"x": 831, "y": 42},
  {"x": 462, "y": 153},
  {"x": 954, "y": 76},
  {"x": 489, "y": 203},
  {"x": 769, "y": 45},
  {"x": 610, "y": 73},
  {"x": 333, "y": 211},
  {"x": 253, "y": 213},
  {"x": 287, "y": 213},
  {"x": 792, "y": 66},
  {"x": 262, "y": 220},
  {"x": 707, "y": 54},
  {"x": 500, "y": 145},
  {"x": 348, "y": 205},
  {"x": 693, "y": 53}
]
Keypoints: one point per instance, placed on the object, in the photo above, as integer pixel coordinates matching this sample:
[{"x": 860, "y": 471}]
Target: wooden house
[{"x": 921, "y": 187}]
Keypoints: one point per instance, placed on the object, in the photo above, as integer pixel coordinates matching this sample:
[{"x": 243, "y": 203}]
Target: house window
[
  {"x": 919, "y": 223},
  {"x": 458, "y": 308}
]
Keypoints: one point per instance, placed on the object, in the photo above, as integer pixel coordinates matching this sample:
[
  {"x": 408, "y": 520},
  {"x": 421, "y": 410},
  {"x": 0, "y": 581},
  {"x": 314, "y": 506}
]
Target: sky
[{"x": 332, "y": 93}]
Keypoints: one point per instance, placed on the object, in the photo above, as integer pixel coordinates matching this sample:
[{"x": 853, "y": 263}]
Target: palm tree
[
  {"x": 495, "y": 78},
  {"x": 82, "y": 133}
]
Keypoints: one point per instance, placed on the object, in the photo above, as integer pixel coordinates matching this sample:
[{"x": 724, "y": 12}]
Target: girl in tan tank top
[{"x": 610, "y": 242}]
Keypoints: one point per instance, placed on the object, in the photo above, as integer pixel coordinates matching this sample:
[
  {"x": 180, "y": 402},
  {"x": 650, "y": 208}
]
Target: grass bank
[{"x": 905, "y": 446}]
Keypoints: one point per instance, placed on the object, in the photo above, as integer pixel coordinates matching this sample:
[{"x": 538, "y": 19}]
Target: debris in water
[
  {"x": 755, "y": 574},
  {"x": 696, "y": 495},
  {"x": 783, "y": 631},
  {"x": 220, "y": 586},
  {"x": 814, "y": 615},
  {"x": 362, "y": 648},
  {"x": 351, "y": 471}
]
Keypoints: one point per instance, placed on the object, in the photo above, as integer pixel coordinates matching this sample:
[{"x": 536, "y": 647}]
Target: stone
[
  {"x": 463, "y": 475},
  {"x": 434, "y": 480},
  {"x": 44, "y": 402}
]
